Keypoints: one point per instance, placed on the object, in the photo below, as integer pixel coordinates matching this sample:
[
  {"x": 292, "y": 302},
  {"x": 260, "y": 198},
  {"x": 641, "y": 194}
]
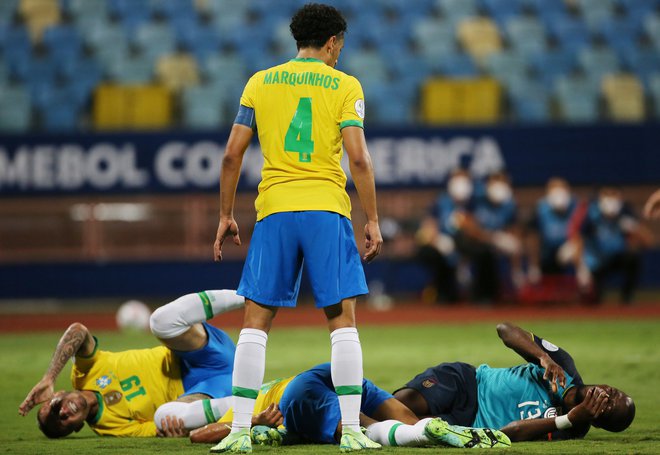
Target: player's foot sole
[
  {"x": 352, "y": 441},
  {"x": 238, "y": 442},
  {"x": 443, "y": 433}
]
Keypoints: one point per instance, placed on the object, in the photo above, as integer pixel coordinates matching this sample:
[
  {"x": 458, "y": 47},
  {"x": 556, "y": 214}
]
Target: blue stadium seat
[
  {"x": 82, "y": 76},
  {"x": 507, "y": 67},
  {"x": 456, "y": 65},
  {"x": 434, "y": 37},
  {"x": 595, "y": 12},
  {"x": 621, "y": 34},
  {"x": 7, "y": 11},
  {"x": 155, "y": 39},
  {"x": 85, "y": 9},
  {"x": 203, "y": 107},
  {"x": 132, "y": 13},
  {"x": 652, "y": 28},
  {"x": 202, "y": 41},
  {"x": 368, "y": 66},
  {"x": 578, "y": 99},
  {"x": 107, "y": 35},
  {"x": 16, "y": 45},
  {"x": 173, "y": 9},
  {"x": 526, "y": 35},
  {"x": 457, "y": 10},
  {"x": 225, "y": 70},
  {"x": 644, "y": 62},
  {"x": 15, "y": 109},
  {"x": 530, "y": 100},
  {"x": 63, "y": 42},
  {"x": 549, "y": 66},
  {"x": 654, "y": 90},
  {"x": 572, "y": 34},
  {"x": 638, "y": 10},
  {"x": 133, "y": 69},
  {"x": 503, "y": 10},
  {"x": 596, "y": 62}
]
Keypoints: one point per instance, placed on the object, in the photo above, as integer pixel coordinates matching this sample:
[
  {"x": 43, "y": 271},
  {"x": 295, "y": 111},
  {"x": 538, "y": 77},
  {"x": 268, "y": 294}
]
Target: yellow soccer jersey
[
  {"x": 130, "y": 386},
  {"x": 270, "y": 393},
  {"x": 300, "y": 108}
]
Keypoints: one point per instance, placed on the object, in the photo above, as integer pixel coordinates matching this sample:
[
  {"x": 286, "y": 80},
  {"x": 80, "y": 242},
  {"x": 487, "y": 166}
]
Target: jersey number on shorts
[{"x": 298, "y": 137}]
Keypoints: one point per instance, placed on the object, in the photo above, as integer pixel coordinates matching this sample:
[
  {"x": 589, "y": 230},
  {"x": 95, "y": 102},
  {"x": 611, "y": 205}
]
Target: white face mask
[
  {"x": 610, "y": 206},
  {"x": 460, "y": 188},
  {"x": 498, "y": 192},
  {"x": 558, "y": 198}
]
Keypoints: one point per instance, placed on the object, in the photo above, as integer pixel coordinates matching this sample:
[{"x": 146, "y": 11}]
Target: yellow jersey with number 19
[{"x": 300, "y": 109}]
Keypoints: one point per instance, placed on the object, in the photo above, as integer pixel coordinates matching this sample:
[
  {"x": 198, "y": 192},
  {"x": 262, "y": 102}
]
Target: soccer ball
[{"x": 133, "y": 315}]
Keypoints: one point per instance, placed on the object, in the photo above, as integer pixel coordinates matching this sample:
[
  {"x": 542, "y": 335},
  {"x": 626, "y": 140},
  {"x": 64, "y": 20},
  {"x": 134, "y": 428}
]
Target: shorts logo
[
  {"x": 428, "y": 383},
  {"x": 550, "y": 412},
  {"x": 103, "y": 382},
  {"x": 359, "y": 108}
]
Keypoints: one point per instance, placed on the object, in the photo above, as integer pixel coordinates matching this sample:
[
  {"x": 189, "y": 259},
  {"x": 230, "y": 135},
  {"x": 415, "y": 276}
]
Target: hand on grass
[{"x": 40, "y": 393}]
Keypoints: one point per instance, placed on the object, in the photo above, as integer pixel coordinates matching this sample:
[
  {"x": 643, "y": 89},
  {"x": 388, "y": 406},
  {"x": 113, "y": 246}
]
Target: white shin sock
[
  {"x": 249, "y": 366},
  {"x": 346, "y": 368}
]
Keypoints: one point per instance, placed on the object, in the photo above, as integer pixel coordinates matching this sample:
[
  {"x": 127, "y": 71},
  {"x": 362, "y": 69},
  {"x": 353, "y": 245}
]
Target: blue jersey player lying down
[{"x": 543, "y": 399}]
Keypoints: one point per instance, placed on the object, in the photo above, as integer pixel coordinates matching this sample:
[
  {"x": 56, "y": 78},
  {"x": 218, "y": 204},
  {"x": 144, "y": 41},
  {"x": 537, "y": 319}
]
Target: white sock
[
  {"x": 346, "y": 368},
  {"x": 249, "y": 366},
  {"x": 395, "y": 433},
  {"x": 195, "y": 414},
  {"x": 177, "y": 317}
]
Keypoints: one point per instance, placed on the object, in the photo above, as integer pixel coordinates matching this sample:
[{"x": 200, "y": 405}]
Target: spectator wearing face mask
[
  {"x": 610, "y": 241},
  {"x": 438, "y": 232},
  {"x": 550, "y": 249}
]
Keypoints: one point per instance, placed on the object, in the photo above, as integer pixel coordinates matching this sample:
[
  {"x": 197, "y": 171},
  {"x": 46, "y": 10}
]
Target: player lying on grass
[
  {"x": 308, "y": 407},
  {"x": 119, "y": 393},
  {"x": 544, "y": 399}
]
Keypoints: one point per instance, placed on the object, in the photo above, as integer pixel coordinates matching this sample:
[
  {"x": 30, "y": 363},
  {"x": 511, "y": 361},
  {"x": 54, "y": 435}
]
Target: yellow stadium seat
[
  {"x": 177, "y": 71},
  {"x": 624, "y": 97},
  {"x": 132, "y": 107},
  {"x": 480, "y": 37},
  {"x": 461, "y": 101},
  {"x": 38, "y": 15}
]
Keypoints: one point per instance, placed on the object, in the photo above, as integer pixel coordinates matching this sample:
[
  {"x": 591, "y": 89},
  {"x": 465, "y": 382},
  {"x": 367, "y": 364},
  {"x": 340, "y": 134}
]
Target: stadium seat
[
  {"x": 638, "y": 10},
  {"x": 624, "y": 98},
  {"x": 63, "y": 42},
  {"x": 8, "y": 9},
  {"x": 132, "y": 107},
  {"x": 15, "y": 109},
  {"x": 173, "y": 9},
  {"x": 225, "y": 69},
  {"x": 457, "y": 10},
  {"x": 530, "y": 101},
  {"x": 368, "y": 66},
  {"x": 654, "y": 90},
  {"x": 16, "y": 46},
  {"x": 60, "y": 114},
  {"x": 203, "y": 41},
  {"x": 38, "y": 15},
  {"x": 433, "y": 37},
  {"x": 456, "y": 65},
  {"x": 644, "y": 62},
  {"x": 452, "y": 101},
  {"x": 526, "y": 35},
  {"x": 131, "y": 69},
  {"x": 203, "y": 107},
  {"x": 652, "y": 28},
  {"x": 622, "y": 35},
  {"x": 549, "y": 66},
  {"x": 480, "y": 37},
  {"x": 177, "y": 71},
  {"x": 86, "y": 9},
  {"x": 503, "y": 10},
  {"x": 155, "y": 39},
  {"x": 506, "y": 67},
  {"x": 577, "y": 97},
  {"x": 595, "y": 12},
  {"x": 596, "y": 62},
  {"x": 571, "y": 33}
]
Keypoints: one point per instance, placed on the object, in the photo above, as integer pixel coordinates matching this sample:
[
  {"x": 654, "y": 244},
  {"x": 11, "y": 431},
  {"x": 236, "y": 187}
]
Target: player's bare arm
[
  {"x": 363, "y": 177},
  {"x": 595, "y": 403},
  {"x": 214, "y": 432},
  {"x": 76, "y": 340},
  {"x": 522, "y": 342},
  {"x": 237, "y": 144}
]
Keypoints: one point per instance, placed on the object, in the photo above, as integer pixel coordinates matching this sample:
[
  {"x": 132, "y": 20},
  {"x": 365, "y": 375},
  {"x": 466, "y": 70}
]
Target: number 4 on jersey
[{"x": 299, "y": 135}]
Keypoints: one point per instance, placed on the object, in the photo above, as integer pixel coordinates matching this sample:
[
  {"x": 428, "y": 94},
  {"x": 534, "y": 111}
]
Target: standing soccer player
[{"x": 303, "y": 111}]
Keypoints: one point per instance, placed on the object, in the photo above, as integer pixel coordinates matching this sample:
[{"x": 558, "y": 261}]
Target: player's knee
[{"x": 164, "y": 325}]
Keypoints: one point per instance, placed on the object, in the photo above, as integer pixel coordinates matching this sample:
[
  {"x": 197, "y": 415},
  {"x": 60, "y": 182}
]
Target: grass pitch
[{"x": 622, "y": 353}]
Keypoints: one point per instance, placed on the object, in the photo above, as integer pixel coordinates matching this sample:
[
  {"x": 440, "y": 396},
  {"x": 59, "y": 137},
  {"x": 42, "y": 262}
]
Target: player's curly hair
[{"x": 315, "y": 23}]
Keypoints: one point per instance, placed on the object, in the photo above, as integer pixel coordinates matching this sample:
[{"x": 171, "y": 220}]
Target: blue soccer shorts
[
  {"x": 310, "y": 405},
  {"x": 208, "y": 370},
  {"x": 282, "y": 242}
]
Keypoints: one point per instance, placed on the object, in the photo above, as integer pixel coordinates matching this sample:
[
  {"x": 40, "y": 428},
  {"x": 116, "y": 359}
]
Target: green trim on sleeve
[
  {"x": 349, "y": 390},
  {"x": 346, "y": 123},
  {"x": 391, "y": 437},
  {"x": 96, "y": 347},
  {"x": 97, "y": 417},
  {"x": 208, "y": 411},
  {"x": 244, "y": 393},
  {"x": 206, "y": 302}
]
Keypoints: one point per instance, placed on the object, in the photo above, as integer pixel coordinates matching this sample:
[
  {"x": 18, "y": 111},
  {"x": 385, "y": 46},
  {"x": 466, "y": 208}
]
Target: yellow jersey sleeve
[
  {"x": 82, "y": 364},
  {"x": 129, "y": 429},
  {"x": 250, "y": 92},
  {"x": 353, "y": 109}
]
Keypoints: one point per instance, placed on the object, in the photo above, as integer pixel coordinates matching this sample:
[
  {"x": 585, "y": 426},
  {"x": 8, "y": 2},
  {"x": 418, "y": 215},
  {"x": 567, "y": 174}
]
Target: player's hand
[
  {"x": 652, "y": 206},
  {"x": 595, "y": 403},
  {"x": 171, "y": 427},
  {"x": 553, "y": 373},
  {"x": 373, "y": 241},
  {"x": 226, "y": 228},
  {"x": 40, "y": 393},
  {"x": 271, "y": 417}
]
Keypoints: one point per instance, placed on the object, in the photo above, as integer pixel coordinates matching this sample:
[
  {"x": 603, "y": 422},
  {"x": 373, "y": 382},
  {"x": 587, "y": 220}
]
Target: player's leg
[
  {"x": 271, "y": 276},
  {"x": 195, "y": 413},
  {"x": 178, "y": 324}
]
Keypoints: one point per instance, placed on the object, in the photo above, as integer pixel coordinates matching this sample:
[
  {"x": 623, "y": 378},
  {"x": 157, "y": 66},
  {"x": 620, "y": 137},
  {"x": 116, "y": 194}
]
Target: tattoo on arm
[{"x": 67, "y": 347}]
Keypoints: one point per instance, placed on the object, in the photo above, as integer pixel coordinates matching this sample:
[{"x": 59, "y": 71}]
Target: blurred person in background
[
  {"x": 652, "y": 206},
  {"x": 436, "y": 236},
  {"x": 165, "y": 391},
  {"x": 610, "y": 240},
  {"x": 549, "y": 246}
]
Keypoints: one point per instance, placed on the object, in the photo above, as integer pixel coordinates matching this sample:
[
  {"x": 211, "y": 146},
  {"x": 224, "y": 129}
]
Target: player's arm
[
  {"x": 652, "y": 206},
  {"x": 522, "y": 342},
  {"x": 76, "y": 340},
  {"x": 363, "y": 176},
  {"x": 573, "y": 425},
  {"x": 237, "y": 144}
]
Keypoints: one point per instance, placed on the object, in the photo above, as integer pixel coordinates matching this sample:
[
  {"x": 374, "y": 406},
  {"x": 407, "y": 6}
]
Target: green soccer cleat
[
  {"x": 442, "y": 433},
  {"x": 238, "y": 442},
  {"x": 267, "y": 436},
  {"x": 352, "y": 441}
]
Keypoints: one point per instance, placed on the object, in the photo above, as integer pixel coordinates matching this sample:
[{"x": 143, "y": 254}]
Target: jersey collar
[
  {"x": 97, "y": 417},
  {"x": 307, "y": 60}
]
